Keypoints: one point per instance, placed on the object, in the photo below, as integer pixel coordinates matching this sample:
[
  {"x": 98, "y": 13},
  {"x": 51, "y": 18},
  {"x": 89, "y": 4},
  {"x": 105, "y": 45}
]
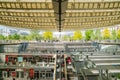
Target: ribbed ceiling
[{"x": 59, "y": 15}]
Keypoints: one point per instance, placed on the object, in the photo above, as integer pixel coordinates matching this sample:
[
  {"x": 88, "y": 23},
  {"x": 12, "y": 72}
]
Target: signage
[{"x": 20, "y": 59}]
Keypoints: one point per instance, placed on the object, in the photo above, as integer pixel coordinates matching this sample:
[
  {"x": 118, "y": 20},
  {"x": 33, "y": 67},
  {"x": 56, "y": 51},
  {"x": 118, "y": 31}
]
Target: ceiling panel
[
  {"x": 28, "y": 14},
  {"x": 91, "y": 14},
  {"x": 43, "y": 14}
]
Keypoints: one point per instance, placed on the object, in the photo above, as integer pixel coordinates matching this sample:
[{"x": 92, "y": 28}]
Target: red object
[
  {"x": 24, "y": 70},
  {"x": 13, "y": 74},
  {"x": 63, "y": 65},
  {"x": 13, "y": 61},
  {"x": 7, "y": 69},
  {"x": 31, "y": 73},
  {"x": 69, "y": 60},
  {"x": 6, "y": 59},
  {"x": 27, "y": 56}
]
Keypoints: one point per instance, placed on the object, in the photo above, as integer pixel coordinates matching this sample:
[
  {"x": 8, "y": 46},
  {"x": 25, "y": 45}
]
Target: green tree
[
  {"x": 2, "y": 37},
  {"x": 9, "y": 37},
  {"x": 34, "y": 35},
  {"x": 106, "y": 33},
  {"x": 88, "y": 34},
  {"x": 15, "y": 36},
  {"x": 65, "y": 37},
  {"x": 77, "y": 35},
  {"x": 114, "y": 35},
  {"x": 48, "y": 35},
  {"x": 23, "y": 37},
  {"x": 118, "y": 33},
  {"x": 39, "y": 37},
  {"x": 29, "y": 37},
  {"x": 97, "y": 34}
]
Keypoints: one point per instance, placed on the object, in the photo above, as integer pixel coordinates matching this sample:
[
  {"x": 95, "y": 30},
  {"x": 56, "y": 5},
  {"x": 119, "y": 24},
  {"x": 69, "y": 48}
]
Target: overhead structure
[
  {"x": 60, "y": 15},
  {"x": 60, "y": 7},
  {"x": 87, "y": 14},
  {"x": 33, "y": 14}
]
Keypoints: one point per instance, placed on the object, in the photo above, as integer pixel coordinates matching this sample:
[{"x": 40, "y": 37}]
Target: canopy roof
[{"x": 60, "y": 15}]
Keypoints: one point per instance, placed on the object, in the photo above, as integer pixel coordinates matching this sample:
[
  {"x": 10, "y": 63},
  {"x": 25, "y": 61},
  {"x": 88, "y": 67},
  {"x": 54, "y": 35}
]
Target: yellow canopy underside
[{"x": 39, "y": 14}]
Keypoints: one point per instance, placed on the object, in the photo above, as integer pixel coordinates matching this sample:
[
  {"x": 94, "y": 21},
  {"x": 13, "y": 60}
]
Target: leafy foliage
[
  {"x": 33, "y": 35},
  {"x": 106, "y": 33},
  {"x": 16, "y": 37},
  {"x": 65, "y": 37},
  {"x": 114, "y": 34},
  {"x": 77, "y": 35},
  {"x": 24, "y": 37},
  {"x": 2, "y": 37},
  {"x": 48, "y": 35},
  {"x": 88, "y": 34},
  {"x": 118, "y": 34},
  {"x": 13, "y": 37},
  {"x": 9, "y": 37},
  {"x": 97, "y": 34}
]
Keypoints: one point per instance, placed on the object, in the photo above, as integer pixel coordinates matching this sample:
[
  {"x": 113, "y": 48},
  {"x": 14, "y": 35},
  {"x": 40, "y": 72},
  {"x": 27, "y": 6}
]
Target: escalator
[
  {"x": 1, "y": 78},
  {"x": 23, "y": 46},
  {"x": 61, "y": 73}
]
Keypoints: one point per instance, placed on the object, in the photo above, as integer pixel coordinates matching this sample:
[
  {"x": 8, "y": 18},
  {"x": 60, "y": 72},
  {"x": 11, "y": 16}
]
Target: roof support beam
[
  {"x": 97, "y": 10},
  {"x": 60, "y": 7},
  {"x": 25, "y": 0},
  {"x": 13, "y": 10},
  {"x": 26, "y": 26},
  {"x": 89, "y": 27},
  {"x": 45, "y": 17},
  {"x": 78, "y": 17},
  {"x": 94, "y": 0},
  {"x": 37, "y": 22}
]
